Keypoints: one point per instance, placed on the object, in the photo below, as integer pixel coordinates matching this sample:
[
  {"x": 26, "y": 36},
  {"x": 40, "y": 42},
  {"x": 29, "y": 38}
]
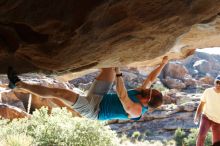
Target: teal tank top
[{"x": 111, "y": 107}]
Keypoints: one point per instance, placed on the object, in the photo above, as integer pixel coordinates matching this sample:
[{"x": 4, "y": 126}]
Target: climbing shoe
[{"x": 12, "y": 77}]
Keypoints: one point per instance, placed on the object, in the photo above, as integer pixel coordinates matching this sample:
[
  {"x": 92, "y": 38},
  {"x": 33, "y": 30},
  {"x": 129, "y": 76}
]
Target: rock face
[
  {"x": 71, "y": 36},
  {"x": 202, "y": 66},
  {"x": 174, "y": 83},
  {"x": 197, "y": 71},
  {"x": 176, "y": 70},
  {"x": 11, "y": 112}
]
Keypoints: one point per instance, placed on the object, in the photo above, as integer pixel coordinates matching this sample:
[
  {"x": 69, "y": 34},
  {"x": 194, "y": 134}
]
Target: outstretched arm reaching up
[{"x": 153, "y": 75}]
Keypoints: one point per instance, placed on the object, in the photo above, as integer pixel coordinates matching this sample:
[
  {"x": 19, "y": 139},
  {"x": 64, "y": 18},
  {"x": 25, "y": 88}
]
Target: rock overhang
[{"x": 65, "y": 37}]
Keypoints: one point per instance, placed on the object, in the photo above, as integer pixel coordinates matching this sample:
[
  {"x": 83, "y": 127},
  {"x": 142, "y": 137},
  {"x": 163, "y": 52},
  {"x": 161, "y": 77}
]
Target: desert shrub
[
  {"x": 179, "y": 136},
  {"x": 136, "y": 134},
  {"x": 170, "y": 143},
  {"x": 190, "y": 140},
  {"x": 17, "y": 140},
  {"x": 58, "y": 128}
]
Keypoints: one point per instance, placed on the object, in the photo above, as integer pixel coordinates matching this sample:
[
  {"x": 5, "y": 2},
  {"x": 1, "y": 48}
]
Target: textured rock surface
[
  {"x": 174, "y": 83},
  {"x": 72, "y": 36},
  {"x": 11, "y": 112},
  {"x": 202, "y": 66},
  {"x": 176, "y": 70},
  {"x": 192, "y": 74}
]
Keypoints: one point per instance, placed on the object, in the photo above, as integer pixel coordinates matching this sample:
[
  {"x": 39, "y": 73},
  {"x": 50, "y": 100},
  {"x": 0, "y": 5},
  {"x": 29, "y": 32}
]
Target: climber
[
  {"x": 99, "y": 104},
  {"x": 210, "y": 117}
]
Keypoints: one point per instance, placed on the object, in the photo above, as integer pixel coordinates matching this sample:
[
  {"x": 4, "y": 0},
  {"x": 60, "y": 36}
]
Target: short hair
[
  {"x": 155, "y": 97},
  {"x": 217, "y": 78}
]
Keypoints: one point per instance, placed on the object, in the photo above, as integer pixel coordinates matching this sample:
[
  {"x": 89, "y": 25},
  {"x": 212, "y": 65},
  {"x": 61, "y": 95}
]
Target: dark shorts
[{"x": 88, "y": 106}]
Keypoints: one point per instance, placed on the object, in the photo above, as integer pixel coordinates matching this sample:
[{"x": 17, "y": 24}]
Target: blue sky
[{"x": 215, "y": 50}]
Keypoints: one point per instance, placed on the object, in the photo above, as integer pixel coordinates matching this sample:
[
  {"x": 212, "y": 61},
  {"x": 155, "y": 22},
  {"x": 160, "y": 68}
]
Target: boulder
[
  {"x": 207, "y": 80},
  {"x": 188, "y": 107},
  {"x": 203, "y": 66},
  {"x": 175, "y": 70},
  {"x": 168, "y": 99},
  {"x": 173, "y": 83},
  {"x": 11, "y": 112},
  {"x": 208, "y": 69},
  {"x": 10, "y": 98},
  {"x": 189, "y": 81}
]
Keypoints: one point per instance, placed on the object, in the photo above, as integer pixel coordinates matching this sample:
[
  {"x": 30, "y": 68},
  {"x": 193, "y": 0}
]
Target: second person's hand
[
  {"x": 196, "y": 121},
  {"x": 165, "y": 60}
]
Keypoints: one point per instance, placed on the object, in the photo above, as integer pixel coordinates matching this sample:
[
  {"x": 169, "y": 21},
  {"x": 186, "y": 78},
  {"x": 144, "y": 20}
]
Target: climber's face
[{"x": 217, "y": 85}]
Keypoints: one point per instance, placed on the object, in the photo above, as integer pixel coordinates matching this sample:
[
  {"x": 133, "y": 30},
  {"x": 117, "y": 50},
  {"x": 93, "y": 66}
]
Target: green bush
[
  {"x": 58, "y": 128},
  {"x": 17, "y": 140},
  {"x": 136, "y": 134},
  {"x": 179, "y": 136},
  {"x": 191, "y": 139},
  {"x": 182, "y": 139}
]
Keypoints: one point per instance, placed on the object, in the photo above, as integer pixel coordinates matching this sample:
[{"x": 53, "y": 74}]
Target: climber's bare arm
[
  {"x": 199, "y": 111},
  {"x": 133, "y": 109},
  {"x": 154, "y": 74}
]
